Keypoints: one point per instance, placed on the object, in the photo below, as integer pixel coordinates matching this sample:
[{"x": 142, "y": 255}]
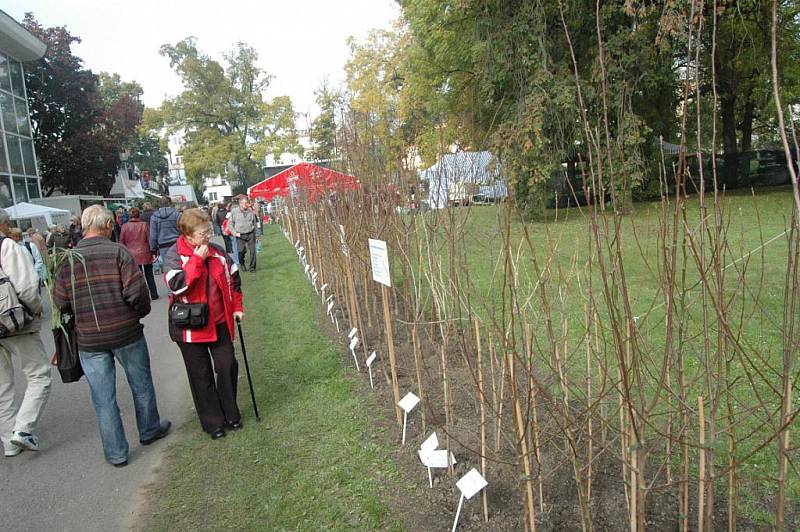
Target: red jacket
[
  {"x": 187, "y": 276},
  {"x": 135, "y": 236}
]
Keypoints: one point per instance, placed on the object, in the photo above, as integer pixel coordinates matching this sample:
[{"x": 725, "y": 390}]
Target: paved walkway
[{"x": 68, "y": 485}]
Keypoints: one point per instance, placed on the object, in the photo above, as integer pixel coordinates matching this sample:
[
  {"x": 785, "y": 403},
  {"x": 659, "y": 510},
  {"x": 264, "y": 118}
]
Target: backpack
[{"x": 14, "y": 317}]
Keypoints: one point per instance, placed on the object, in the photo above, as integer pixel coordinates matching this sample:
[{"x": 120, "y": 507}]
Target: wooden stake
[
  {"x": 701, "y": 481},
  {"x": 387, "y": 319},
  {"x": 482, "y": 399}
]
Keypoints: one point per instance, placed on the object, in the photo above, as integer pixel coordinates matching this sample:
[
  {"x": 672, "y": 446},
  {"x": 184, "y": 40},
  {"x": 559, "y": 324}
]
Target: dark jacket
[
  {"x": 146, "y": 215},
  {"x": 187, "y": 276},
  {"x": 135, "y": 236},
  {"x": 110, "y": 295},
  {"x": 164, "y": 228},
  {"x": 75, "y": 235}
]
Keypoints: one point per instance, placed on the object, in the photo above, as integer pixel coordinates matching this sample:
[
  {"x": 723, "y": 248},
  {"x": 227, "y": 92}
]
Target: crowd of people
[{"x": 108, "y": 292}]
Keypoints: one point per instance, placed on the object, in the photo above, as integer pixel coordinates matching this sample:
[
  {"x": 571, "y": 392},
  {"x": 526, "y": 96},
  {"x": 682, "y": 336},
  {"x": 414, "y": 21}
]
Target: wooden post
[
  {"x": 701, "y": 480},
  {"x": 387, "y": 318},
  {"x": 482, "y": 399}
]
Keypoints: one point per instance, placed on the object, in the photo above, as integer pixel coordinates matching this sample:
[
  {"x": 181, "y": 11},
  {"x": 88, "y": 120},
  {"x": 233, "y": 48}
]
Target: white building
[
  {"x": 286, "y": 159},
  {"x": 177, "y": 170},
  {"x": 217, "y": 189},
  {"x": 19, "y": 175}
]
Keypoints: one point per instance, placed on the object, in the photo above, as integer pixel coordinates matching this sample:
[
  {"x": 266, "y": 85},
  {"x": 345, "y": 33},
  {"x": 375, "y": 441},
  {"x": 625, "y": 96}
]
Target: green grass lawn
[{"x": 310, "y": 464}]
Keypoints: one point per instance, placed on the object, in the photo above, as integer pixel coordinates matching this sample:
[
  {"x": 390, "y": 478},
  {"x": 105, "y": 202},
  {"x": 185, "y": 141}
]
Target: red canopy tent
[{"x": 306, "y": 178}]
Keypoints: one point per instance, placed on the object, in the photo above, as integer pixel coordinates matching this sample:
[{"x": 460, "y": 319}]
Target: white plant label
[
  {"x": 471, "y": 483},
  {"x": 297, "y": 244},
  {"x": 438, "y": 459},
  {"x": 431, "y": 444},
  {"x": 408, "y": 402},
  {"x": 370, "y": 360},
  {"x": 353, "y": 343},
  {"x": 307, "y": 267},
  {"x": 330, "y": 298},
  {"x": 352, "y": 332},
  {"x": 330, "y": 307},
  {"x": 379, "y": 256}
]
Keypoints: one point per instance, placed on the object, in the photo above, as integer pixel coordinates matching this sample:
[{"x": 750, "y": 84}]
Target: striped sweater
[{"x": 109, "y": 305}]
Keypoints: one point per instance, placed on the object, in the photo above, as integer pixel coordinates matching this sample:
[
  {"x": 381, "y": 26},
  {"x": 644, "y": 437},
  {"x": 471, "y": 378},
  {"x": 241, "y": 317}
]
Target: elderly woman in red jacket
[
  {"x": 202, "y": 277},
  {"x": 135, "y": 236}
]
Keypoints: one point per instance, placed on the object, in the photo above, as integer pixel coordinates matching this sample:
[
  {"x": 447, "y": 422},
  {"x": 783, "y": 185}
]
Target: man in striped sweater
[{"x": 107, "y": 294}]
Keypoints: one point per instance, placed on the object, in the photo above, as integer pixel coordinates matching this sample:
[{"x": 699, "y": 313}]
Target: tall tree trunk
[
  {"x": 746, "y": 125},
  {"x": 727, "y": 111}
]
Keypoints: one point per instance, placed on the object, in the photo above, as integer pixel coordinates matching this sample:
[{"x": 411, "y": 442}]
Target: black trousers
[
  {"x": 228, "y": 245},
  {"x": 247, "y": 243},
  {"x": 214, "y": 400},
  {"x": 151, "y": 281}
]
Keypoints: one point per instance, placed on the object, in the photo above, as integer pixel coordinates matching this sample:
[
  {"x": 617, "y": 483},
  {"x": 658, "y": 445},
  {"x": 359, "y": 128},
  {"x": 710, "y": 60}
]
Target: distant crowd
[{"x": 103, "y": 292}]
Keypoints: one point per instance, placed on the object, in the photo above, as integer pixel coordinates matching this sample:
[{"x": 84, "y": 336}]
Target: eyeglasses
[{"x": 202, "y": 234}]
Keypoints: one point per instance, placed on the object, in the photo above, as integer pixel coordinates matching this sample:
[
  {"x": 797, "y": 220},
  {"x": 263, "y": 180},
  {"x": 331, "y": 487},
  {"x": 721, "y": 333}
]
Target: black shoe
[
  {"x": 217, "y": 434},
  {"x": 120, "y": 464},
  {"x": 162, "y": 431},
  {"x": 234, "y": 425}
]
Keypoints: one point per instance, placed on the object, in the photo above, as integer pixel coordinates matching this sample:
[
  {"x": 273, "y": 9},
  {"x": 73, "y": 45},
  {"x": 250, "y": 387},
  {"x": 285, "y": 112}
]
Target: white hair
[{"x": 96, "y": 218}]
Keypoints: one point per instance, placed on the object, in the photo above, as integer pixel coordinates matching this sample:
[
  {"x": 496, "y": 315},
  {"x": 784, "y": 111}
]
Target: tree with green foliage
[
  {"x": 277, "y": 131},
  {"x": 218, "y": 109},
  {"x": 323, "y": 128},
  {"x": 81, "y": 123}
]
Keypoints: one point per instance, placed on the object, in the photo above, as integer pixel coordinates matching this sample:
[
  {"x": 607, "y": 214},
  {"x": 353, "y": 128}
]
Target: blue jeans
[
  {"x": 101, "y": 373},
  {"x": 235, "y": 248}
]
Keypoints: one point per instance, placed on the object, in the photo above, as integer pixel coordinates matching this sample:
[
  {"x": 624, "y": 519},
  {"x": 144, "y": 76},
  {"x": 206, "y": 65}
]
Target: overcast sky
[{"x": 299, "y": 42}]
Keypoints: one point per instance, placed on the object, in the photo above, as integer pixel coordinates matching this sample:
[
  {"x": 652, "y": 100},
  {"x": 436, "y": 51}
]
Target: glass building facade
[{"x": 19, "y": 178}]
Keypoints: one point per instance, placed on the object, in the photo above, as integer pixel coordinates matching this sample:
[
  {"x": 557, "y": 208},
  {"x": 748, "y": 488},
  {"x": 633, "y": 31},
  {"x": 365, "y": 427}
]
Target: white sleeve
[{"x": 18, "y": 265}]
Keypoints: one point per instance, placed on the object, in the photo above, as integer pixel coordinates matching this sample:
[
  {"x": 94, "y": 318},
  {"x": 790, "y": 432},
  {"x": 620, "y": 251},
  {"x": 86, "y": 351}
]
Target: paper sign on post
[
  {"x": 352, "y": 332},
  {"x": 471, "y": 483},
  {"x": 379, "y": 256}
]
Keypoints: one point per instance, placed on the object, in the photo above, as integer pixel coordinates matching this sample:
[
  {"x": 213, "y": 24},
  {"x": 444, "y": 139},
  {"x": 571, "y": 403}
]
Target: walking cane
[{"x": 247, "y": 368}]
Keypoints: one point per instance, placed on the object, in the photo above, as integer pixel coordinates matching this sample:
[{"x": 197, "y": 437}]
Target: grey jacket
[{"x": 243, "y": 221}]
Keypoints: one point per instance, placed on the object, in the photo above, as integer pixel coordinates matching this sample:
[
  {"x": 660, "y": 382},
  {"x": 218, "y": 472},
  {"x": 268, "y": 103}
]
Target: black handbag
[
  {"x": 67, "y": 359},
  {"x": 189, "y": 315}
]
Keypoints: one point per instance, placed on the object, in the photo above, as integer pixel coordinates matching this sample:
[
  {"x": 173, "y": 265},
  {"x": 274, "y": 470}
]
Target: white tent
[{"x": 36, "y": 214}]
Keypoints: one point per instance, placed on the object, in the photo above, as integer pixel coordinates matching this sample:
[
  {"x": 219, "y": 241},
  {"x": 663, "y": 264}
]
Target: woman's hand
[
  {"x": 201, "y": 251},
  {"x": 238, "y": 316}
]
